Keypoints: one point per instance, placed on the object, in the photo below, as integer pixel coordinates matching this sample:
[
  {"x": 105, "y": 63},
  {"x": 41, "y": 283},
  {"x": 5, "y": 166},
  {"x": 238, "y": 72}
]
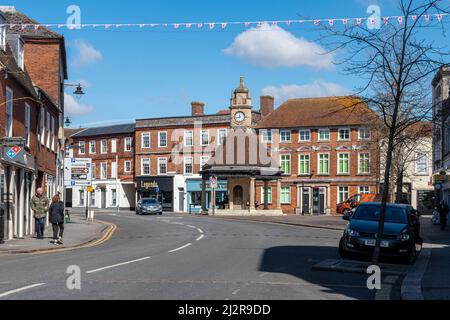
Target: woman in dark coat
[{"x": 56, "y": 217}]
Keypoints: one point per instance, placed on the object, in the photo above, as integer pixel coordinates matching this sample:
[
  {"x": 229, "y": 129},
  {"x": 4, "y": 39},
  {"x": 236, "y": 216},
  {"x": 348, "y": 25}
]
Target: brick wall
[
  {"x": 175, "y": 140},
  {"x": 43, "y": 64},
  {"x": 98, "y": 158}
]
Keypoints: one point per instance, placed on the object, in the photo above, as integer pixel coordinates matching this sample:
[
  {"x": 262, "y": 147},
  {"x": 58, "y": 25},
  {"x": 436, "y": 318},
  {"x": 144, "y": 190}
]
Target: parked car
[
  {"x": 401, "y": 231},
  {"x": 348, "y": 205},
  {"x": 149, "y": 206}
]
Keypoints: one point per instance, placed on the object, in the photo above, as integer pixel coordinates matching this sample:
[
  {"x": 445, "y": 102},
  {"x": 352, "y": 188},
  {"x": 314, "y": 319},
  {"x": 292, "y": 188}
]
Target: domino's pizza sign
[{"x": 13, "y": 152}]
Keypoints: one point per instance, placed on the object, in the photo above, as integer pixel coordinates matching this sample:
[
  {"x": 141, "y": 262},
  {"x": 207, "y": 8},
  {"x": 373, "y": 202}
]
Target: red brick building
[
  {"x": 112, "y": 152},
  {"x": 326, "y": 150},
  {"x": 170, "y": 153},
  {"x": 31, "y": 86}
]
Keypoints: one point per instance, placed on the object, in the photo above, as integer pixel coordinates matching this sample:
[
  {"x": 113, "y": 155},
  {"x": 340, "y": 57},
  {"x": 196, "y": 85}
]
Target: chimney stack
[
  {"x": 198, "y": 108},
  {"x": 266, "y": 105}
]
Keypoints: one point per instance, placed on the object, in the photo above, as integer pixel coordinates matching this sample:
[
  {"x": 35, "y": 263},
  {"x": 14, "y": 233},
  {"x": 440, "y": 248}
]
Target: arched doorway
[{"x": 238, "y": 195}]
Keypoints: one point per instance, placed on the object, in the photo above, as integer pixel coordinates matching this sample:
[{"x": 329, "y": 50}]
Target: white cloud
[
  {"x": 86, "y": 54},
  {"x": 73, "y": 108},
  {"x": 318, "y": 88},
  {"x": 272, "y": 47}
]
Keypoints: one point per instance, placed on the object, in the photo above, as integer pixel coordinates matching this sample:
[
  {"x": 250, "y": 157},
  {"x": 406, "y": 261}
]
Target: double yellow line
[{"x": 108, "y": 234}]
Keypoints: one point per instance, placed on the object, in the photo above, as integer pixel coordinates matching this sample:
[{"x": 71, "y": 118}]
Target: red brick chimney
[
  {"x": 198, "y": 108},
  {"x": 266, "y": 105}
]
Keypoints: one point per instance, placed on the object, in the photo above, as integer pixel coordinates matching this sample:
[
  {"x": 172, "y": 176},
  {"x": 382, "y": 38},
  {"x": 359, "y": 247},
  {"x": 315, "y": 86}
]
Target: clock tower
[{"x": 241, "y": 107}]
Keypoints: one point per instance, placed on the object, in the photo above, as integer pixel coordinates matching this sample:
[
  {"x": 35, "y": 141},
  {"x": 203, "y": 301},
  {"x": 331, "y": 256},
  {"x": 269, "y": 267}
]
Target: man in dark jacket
[{"x": 56, "y": 217}]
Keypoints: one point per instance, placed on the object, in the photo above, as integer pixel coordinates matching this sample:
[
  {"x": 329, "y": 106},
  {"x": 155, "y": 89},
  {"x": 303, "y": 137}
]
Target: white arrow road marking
[
  {"x": 7, "y": 293},
  {"x": 199, "y": 230},
  {"x": 117, "y": 265},
  {"x": 200, "y": 238},
  {"x": 180, "y": 248}
]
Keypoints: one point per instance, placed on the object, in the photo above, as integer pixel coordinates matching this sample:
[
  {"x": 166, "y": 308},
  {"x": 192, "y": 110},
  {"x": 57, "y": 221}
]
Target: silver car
[{"x": 149, "y": 206}]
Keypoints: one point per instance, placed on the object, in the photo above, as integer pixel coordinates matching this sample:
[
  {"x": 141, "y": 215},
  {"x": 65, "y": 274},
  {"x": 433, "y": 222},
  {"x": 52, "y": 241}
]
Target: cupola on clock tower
[{"x": 241, "y": 107}]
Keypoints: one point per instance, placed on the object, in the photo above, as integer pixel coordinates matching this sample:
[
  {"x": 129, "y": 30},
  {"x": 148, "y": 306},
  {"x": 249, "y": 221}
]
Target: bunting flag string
[{"x": 345, "y": 22}]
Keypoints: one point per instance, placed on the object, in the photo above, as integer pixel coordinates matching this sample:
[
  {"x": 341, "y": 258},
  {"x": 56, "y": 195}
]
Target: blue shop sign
[{"x": 193, "y": 185}]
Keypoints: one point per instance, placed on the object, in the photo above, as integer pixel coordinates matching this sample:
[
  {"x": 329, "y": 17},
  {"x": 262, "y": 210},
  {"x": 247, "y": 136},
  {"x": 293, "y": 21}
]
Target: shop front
[
  {"x": 160, "y": 188},
  {"x": 17, "y": 175},
  {"x": 194, "y": 195}
]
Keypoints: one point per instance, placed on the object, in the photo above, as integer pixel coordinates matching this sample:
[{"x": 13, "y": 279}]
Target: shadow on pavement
[{"x": 298, "y": 261}]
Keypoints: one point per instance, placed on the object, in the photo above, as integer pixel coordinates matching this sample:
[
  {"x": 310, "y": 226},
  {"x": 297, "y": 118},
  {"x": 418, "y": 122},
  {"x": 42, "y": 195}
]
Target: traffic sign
[
  {"x": 77, "y": 172},
  {"x": 213, "y": 182}
]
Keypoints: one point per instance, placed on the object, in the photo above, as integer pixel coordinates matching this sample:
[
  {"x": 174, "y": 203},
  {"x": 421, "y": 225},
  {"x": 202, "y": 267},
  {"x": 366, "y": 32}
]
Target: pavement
[
  {"x": 77, "y": 233},
  {"x": 436, "y": 280}
]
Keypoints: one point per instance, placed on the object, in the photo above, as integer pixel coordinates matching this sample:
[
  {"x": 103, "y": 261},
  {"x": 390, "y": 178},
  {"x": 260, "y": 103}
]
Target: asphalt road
[{"x": 173, "y": 257}]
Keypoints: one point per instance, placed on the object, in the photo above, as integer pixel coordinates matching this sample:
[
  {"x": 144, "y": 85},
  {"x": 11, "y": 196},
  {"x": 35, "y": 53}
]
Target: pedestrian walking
[
  {"x": 56, "y": 217},
  {"x": 39, "y": 205},
  {"x": 443, "y": 212}
]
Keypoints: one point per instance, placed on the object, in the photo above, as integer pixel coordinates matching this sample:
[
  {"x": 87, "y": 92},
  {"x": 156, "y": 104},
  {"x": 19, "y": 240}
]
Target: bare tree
[{"x": 396, "y": 63}]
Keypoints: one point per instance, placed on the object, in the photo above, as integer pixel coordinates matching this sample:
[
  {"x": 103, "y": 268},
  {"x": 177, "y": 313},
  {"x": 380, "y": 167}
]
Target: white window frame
[
  {"x": 21, "y": 54},
  {"x": 93, "y": 170},
  {"x": 359, "y": 163},
  {"x": 289, "y": 161},
  {"x": 53, "y": 133},
  {"x": 318, "y": 164},
  {"x": 324, "y": 130},
  {"x": 159, "y": 139},
  {"x": 128, "y": 141},
  {"x": 338, "y": 163},
  {"x": 160, "y": 162},
  {"x": 103, "y": 146},
  {"x": 309, "y": 164},
  {"x": 339, "y": 200},
  {"x": 289, "y": 194},
  {"x": 113, "y": 145},
  {"x": 186, "y": 132},
  {"x": 360, "y": 190},
  {"x": 9, "y": 112},
  {"x": 425, "y": 156},
  {"x": 265, "y": 136},
  {"x": 42, "y": 125},
  {"x": 349, "y": 134},
  {"x": 103, "y": 174},
  {"x": 360, "y": 138},
  {"x": 27, "y": 123},
  {"x": 219, "y": 133},
  {"x": 48, "y": 130},
  {"x": 269, "y": 198},
  {"x": 191, "y": 162},
  {"x": 202, "y": 134},
  {"x": 142, "y": 167},
  {"x": 143, "y": 136},
  {"x": 300, "y": 135},
  {"x": 125, "y": 164},
  {"x": 92, "y": 143},
  {"x": 281, "y": 136},
  {"x": 2, "y": 35},
  {"x": 81, "y": 147}
]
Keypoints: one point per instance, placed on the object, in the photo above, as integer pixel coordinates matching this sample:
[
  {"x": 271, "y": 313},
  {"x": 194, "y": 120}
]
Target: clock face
[{"x": 239, "y": 116}]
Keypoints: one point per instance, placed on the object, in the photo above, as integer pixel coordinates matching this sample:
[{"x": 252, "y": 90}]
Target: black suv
[{"x": 401, "y": 231}]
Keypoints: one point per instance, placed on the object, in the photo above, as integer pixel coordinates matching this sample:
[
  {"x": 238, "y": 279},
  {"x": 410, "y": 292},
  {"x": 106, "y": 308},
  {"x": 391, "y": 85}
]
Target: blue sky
[{"x": 134, "y": 73}]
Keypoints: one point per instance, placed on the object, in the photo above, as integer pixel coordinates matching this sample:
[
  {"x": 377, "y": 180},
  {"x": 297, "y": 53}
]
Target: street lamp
[{"x": 78, "y": 94}]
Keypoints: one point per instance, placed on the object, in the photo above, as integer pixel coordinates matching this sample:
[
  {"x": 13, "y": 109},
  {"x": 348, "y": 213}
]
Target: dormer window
[
  {"x": 20, "y": 54},
  {"x": 2, "y": 33}
]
